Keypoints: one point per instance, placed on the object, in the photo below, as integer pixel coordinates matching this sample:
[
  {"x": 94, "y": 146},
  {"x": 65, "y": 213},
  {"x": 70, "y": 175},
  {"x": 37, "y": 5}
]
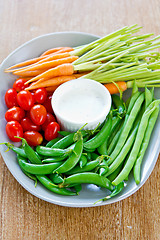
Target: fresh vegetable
[
  {"x": 19, "y": 84},
  {"x": 25, "y": 100},
  {"x": 13, "y": 128},
  {"x": 11, "y": 98},
  {"x": 38, "y": 114},
  {"x": 33, "y": 138},
  {"x": 49, "y": 118},
  {"x": 28, "y": 125},
  {"x": 40, "y": 95},
  {"x": 14, "y": 113},
  {"x": 51, "y": 131}
]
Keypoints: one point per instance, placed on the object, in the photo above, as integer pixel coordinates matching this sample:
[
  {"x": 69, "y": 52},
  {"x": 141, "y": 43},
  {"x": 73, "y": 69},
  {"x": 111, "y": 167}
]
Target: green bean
[
  {"x": 73, "y": 159},
  {"x": 39, "y": 169},
  {"x": 52, "y": 152},
  {"x": 148, "y": 97},
  {"x": 137, "y": 144},
  {"x": 114, "y": 139},
  {"x": 127, "y": 127},
  {"x": 100, "y": 137},
  {"x": 87, "y": 168},
  {"x": 31, "y": 176},
  {"x": 46, "y": 182},
  {"x": 137, "y": 166},
  {"x": 82, "y": 161},
  {"x": 124, "y": 151},
  {"x": 132, "y": 101},
  {"x": 88, "y": 177},
  {"x": 113, "y": 175},
  {"x": 53, "y": 141}
]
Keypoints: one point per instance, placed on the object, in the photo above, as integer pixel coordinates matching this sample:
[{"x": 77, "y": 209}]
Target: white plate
[{"x": 90, "y": 193}]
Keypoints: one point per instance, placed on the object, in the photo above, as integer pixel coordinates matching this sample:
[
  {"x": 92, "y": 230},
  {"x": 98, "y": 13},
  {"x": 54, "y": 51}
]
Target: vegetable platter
[{"x": 90, "y": 194}]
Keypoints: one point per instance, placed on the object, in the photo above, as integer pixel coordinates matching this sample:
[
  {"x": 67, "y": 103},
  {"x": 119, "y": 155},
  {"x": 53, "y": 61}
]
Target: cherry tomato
[
  {"x": 25, "y": 100},
  {"x": 33, "y": 138},
  {"x": 40, "y": 95},
  {"x": 14, "y": 113},
  {"x": 11, "y": 98},
  {"x": 47, "y": 104},
  {"x": 51, "y": 131},
  {"x": 28, "y": 125},
  {"x": 13, "y": 128},
  {"x": 19, "y": 84},
  {"x": 38, "y": 114},
  {"x": 50, "y": 118}
]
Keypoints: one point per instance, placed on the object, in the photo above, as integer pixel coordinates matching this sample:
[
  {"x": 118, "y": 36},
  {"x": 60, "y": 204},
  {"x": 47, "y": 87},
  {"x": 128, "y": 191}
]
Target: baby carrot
[
  {"x": 113, "y": 89},
  {"x": 48, "y": 64},
  {"x": 61, "y": 70},
  {"x": 50, "y": 82},
  {"x": 29, "y": 73},
  {"x": 53, "y": 50}
]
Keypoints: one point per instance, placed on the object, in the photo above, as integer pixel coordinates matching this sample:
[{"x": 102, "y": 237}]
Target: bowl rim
[{"x": 85, "y": 204}]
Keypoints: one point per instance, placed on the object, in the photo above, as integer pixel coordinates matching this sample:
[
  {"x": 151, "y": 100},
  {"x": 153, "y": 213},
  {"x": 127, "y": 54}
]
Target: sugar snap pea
[
  {"x": 73, "y": 158},
  {"x": 52, "y": 152},
  {"x": 18, "y": 150},
  {"x": 56, "y": 178},
  {"x": 127, "y": 127},
  {"x": 137, "y": 166},
  {"x": 88, "y": 177},
  {"x": 83, "y": 161},
  {"x": 40, "y": 169},
  {"x": 53, "y": 141},
  {"x": 137, "y": 144},
  {"x": 100, "y": 137}
]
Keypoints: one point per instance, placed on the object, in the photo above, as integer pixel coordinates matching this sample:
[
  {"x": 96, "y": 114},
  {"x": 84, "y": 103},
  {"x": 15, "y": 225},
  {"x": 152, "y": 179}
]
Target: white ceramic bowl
[
  {"x": 90, "y": 193},
  {"x": 81, "y": 101}
]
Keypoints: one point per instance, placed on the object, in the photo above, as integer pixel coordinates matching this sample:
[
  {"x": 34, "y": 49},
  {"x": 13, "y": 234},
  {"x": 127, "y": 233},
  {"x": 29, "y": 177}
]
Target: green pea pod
[
  {"x": 82, "y": 161},
  {"x": 64, "y": 133},
  {"x": 38, "y": 169},
  {"x": 46, "y": 182},
  {"x": 78, "y": 188},
  {"x": 31, "y": 155},
  {"x": 53, "y": 141},
  {"x": 56, "y": 178},
  {"x": 94, "y": 156},
  {"x": 113, "y": 175},
  {"x": 115, "y": 192},
  {"x": 127, "y": 127},
  {"x": 88, "y": 177},
  {"x": 133, "y": 99},
  {"x": 148, "y": 97},
  {"x": 137, "y": 144},
  {"x": 100, "y": 137},
  {"x": 73, "y": 159},
  {"x": 31, "y": 176},
  {"x": 52, "y": 152},
  {"x": 119, "y": 104},
  {"x": 137, "y": 166},
  {"x": 87, "y": 168},
  {"x": 18, "y": 150}
]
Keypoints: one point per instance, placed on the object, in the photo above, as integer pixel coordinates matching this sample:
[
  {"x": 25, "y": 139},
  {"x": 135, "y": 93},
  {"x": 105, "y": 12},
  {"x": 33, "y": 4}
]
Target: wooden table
[{"x": 24, "y": 216}]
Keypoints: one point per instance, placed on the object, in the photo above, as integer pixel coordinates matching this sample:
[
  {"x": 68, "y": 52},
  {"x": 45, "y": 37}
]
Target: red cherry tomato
[
  {"x": 25, "y": 100},
  {"x": 14, "y": 113},
  {"x": 51, "y": 131},
  {"x": 28, "y": 125},
  {"x": 40, "y": 95},
  {"x": 33, "y": 138},
  {"x": 11, "y": 98},
  {"x": 20, "y": 85},
  {"x": 50, "y": 118},
  {"x": 13, "y": 128},
  {"x": 47, "y": 104},
  {"x": 38, "y": 114}
]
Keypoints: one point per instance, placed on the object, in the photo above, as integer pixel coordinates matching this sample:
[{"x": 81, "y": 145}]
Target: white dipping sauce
[
  {"x": 81, "y": 101},
  {"x": 81, "y": 105}
]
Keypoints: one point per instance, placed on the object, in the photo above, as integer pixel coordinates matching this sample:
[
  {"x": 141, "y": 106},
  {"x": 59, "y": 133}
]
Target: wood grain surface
[{"x": 24, "y": 216}]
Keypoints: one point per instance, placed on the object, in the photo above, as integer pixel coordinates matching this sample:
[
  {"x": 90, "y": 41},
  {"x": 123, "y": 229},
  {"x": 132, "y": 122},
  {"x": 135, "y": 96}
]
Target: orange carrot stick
[
  {"x": 28, "y": 73},
  {"x": 113, "y": 89},
  {"x": 52, "y": 50},
  {"x": 52, "y": 89},
  {"x": 49, "y": 64},
  {"x": 61, "y": 70},
  {"x": 22, "y": 64},
  {"x": 50, "y": 82}
]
